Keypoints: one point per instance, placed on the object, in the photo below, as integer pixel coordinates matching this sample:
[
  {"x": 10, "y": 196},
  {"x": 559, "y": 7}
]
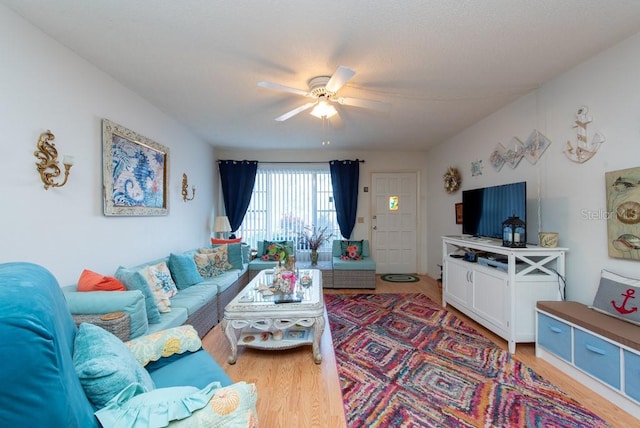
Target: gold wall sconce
[
  {"x": 185, "y": 188},
  {"x": 47, "y": 164}
]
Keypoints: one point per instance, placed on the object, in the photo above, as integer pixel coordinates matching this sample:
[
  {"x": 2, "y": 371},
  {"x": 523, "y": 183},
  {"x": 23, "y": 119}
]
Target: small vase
[{"x": 314, "y": 258}]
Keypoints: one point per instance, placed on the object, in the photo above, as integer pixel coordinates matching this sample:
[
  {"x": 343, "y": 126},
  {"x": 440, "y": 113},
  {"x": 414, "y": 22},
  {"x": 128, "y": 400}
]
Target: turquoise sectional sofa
[
  {"x": 200, "y": 304},
  {"x": 58, "y": 375}
]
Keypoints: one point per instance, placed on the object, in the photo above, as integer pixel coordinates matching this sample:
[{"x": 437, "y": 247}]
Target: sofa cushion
[
  {"x": 191, "y": 368},
  {"x": 194, "y": 297},
  {"x": 618, "y": 296},
  {"x": 104, "y": 365},
  {"x": 176, "y": 317},
  {"x": 246, "y": 253},
  {"x": 100, "y": 302},
  {"x": 165, "y": 343},
  {"x": 134, "y": 280},
  {"x": 184, "y": 270},
  {"x": 93, "y": 281},
  {"x": 363, "y": 264}
]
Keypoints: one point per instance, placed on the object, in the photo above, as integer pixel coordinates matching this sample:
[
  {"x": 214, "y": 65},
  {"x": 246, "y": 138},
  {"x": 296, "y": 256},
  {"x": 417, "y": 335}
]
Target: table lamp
[{"x": 221, "y": 225}]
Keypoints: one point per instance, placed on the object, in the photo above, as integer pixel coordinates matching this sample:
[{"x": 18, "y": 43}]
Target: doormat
[{"x": 399, "y": 277}]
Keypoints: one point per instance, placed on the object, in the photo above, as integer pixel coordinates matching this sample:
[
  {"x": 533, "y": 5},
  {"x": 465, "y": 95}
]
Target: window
[{"x": 285, "y": 200}]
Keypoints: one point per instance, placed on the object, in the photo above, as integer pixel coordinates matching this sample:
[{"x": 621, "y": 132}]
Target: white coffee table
[{"x": 255, "y": 320}]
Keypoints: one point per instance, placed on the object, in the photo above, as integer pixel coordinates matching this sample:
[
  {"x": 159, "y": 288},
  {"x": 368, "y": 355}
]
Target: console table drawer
[
  {"x": 597, "y": 357},
  {"x": 555, "y": 336},
  {"x": 632, "y": 375}
]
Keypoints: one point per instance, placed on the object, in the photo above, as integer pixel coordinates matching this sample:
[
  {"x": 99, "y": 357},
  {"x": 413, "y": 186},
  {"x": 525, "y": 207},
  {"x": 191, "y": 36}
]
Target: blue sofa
[
  {"x": 200, "y": 305},
  {"x": 41, "y": 387},
  {"x": 353, "y": 273}
]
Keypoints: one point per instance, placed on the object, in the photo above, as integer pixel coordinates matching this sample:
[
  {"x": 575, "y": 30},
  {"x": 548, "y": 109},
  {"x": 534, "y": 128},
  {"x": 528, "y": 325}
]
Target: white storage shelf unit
[
  {"x": 501, "y": 297},
  {"x": 601, "y": 352}
]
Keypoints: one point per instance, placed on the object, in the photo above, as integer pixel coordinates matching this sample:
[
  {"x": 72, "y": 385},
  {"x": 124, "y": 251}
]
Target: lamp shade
[
  {"x": 222, "y": 224},
  {"x": 323, "y": 110}
]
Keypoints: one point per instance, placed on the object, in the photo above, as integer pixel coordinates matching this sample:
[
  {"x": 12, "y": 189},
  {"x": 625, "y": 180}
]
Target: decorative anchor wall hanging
[{"x": 583, "y": 151}]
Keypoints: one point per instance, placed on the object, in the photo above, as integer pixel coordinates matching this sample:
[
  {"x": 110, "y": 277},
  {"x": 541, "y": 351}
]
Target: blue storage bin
[
  {"x": 555, "y": 336},
  {"x": 632, "y": 375},
  {"x": 597, "y": 357}
]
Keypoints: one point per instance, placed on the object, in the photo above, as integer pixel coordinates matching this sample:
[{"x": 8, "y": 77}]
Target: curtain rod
[{"x": 259, "y": 162}]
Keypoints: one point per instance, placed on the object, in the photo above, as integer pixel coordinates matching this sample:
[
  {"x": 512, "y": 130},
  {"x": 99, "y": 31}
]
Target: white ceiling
[{"x": 442, "y": 64}]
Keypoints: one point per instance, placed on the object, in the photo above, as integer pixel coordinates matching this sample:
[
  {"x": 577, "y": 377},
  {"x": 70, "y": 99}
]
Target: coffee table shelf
[{"x": 255, "y": 320}]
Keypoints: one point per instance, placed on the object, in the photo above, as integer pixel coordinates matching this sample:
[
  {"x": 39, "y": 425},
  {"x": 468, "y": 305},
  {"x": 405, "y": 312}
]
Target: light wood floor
[{"x": 295, "y": 392}]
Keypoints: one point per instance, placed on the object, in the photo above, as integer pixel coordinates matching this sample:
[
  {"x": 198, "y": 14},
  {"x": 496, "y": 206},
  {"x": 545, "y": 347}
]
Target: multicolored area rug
[{"x": 404, "y": 361}]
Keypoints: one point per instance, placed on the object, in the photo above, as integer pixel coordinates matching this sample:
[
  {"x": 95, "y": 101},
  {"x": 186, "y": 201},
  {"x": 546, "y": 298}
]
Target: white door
[{"x": 394, "y": 222}]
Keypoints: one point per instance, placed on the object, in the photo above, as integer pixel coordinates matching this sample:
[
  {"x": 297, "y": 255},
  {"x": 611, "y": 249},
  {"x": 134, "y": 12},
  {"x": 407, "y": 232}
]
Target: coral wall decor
[{"x": 583, "y": 150}]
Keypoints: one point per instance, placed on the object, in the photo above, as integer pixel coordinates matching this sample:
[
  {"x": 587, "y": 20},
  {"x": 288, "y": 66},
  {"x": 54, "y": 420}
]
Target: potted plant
[{"x": 313, "y": 238}]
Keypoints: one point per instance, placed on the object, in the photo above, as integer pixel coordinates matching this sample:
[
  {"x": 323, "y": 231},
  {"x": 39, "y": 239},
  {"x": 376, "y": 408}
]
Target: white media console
[{"x": 501, "y": 288}]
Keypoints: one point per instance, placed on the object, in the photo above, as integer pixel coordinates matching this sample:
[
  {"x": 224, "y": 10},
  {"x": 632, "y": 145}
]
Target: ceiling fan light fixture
[{"x": 323, "y": 110}]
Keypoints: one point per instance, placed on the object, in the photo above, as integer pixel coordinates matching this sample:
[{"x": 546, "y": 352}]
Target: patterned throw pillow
[
  {"x": 161, "y": 276},
  {"x": 159, "y": 279},
  {"x": 274, "y": 251},
  {"x": 351, "y": 250},
  {"x": 164, "y": 343},
  {"x": 618, "y": 296},
  {"x": 219, "y": 255},
  {"x": 206, "y": 265}
]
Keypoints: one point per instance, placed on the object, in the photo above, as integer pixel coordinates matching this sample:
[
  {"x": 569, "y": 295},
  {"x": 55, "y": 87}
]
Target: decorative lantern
[{"x": 514, "y": 233}]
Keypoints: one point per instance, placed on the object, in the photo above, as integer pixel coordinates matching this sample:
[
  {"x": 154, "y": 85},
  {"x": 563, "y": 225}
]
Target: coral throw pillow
[
  {"x": 215, "y": 241},
  {"x": 92, "y": 281}
]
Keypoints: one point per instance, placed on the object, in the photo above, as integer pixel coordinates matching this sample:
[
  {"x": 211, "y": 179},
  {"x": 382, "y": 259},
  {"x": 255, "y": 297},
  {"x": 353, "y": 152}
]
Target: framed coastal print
[
  {"x": 135, "y": 173},
  {"x": 623, "y": 213}
]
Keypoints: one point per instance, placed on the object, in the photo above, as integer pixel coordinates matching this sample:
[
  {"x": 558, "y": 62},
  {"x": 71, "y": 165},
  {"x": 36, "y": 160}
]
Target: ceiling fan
[{"x": 323, "y": 90}]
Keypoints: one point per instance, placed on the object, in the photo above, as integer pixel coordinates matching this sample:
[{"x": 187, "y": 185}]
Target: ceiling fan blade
[
  {"x": 339, "y": 78},
  {"x": 358, "y": 102},
  {"x": 294, "y": 112},
  {"x": 279, "y": 87}
]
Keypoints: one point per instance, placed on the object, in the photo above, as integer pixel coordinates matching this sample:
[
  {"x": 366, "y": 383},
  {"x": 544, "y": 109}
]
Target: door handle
[{"x": 375, "y": 227}]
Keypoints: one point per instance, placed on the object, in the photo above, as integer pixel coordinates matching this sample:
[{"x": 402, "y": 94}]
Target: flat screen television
[{"x": 484, "y": 209}]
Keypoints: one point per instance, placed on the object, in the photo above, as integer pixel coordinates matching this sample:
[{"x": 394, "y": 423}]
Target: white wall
[
  {"x": 374, "y": 162},
  {"x": 43, "y": 85},
  {"x": 608, "y": 84}
]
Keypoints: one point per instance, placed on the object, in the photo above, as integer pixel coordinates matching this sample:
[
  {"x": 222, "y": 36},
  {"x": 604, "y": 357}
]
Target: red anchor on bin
[{"x": 622, "y": 309}]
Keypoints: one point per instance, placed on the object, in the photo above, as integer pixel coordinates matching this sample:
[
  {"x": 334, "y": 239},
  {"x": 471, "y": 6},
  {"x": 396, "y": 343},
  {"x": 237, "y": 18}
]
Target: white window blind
[{"x": 285, "y": 200}]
